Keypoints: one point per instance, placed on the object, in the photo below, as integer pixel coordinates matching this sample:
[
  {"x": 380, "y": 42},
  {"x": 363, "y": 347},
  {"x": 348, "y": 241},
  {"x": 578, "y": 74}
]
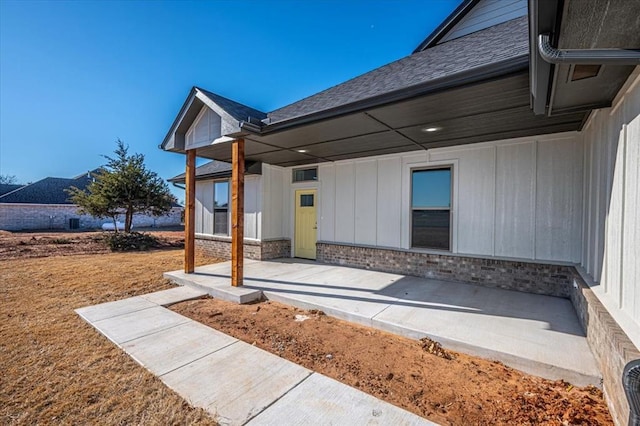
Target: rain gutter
[{"x": 586, "y": 56}]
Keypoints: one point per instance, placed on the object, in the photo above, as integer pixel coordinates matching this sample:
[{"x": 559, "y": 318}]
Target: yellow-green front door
[{"x": 306, "y": 224}]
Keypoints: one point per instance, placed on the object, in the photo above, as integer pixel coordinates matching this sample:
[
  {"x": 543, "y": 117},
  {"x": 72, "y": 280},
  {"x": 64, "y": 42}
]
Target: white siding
[
  {"x": 345, "y": 202},
  {"x": 273, "y": 201},
  {"x": 515, "y": 190},
  {"x": 388, "y": 227},
  {"x": 611, "y": 249},
  {"x": 252, "y": 203},
  {"x": 504, "y": 202},
  {"x": 366, "y": 202},
  {"x": 558, "y": 207},
  {"x": 205, "y": 129},
  {"x": 204, "y": 207},
  {"x": 486, "y": 14},
  {"x": 327, "y": 213},
  {"x": 251, "y": 207}
]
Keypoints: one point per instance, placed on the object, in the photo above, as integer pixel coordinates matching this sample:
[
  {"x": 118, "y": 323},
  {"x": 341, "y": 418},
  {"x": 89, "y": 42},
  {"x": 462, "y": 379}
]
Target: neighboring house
[
  {"x": 8, "y": 187},
  {"x": 45, "y": 205},
  {"x": 489, "y": 155}
]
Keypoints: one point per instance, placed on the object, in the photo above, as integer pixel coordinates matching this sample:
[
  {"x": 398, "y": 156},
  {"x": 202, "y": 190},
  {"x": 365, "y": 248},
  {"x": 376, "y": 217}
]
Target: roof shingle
[{"x": 492, "y": 45}]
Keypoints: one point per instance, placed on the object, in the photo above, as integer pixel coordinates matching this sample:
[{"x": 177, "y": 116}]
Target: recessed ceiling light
[
  {"x": 302, "y": 150},
  {"x": 431, "y": 129}
]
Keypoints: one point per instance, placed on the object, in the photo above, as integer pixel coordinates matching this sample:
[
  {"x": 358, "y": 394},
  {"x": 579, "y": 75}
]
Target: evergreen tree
[{"x": 124, "y": 186}]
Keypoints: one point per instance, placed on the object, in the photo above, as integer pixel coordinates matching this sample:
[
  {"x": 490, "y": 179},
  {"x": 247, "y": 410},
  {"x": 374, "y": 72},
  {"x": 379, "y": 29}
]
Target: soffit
[
  {"x": 491, "y": 110},
  {"x": 594, "y": 24}
]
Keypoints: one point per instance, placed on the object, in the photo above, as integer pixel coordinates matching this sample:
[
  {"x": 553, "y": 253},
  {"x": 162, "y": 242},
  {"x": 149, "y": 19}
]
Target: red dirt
[{"x": 414, "y": 375}]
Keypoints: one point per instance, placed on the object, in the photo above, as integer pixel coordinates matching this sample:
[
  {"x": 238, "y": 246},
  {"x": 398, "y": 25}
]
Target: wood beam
[
  {"x": 190, "y": 213},
  {"x": 237, "y": 212}
]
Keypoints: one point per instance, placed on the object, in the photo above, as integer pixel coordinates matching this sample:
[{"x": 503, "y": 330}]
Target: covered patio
[{"x": 537, "y": 334}]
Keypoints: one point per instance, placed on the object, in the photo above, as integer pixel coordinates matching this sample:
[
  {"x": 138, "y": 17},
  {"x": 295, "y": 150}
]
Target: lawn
[{"x": 56, "y": 368}]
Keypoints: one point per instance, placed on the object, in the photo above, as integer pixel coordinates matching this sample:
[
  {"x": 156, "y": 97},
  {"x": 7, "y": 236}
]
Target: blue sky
[{"x": 77, "y": 75}]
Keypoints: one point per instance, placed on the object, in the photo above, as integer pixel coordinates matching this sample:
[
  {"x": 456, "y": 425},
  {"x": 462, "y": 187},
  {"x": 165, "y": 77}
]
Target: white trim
[{"x": 405, "y": 211}]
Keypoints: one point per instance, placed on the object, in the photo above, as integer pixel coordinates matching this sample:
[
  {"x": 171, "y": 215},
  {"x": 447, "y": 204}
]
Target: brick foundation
[
  {"x": 609, "y": 344},
  {"x": 530, "y": 277},
  {"x": 220, "y": 247}
]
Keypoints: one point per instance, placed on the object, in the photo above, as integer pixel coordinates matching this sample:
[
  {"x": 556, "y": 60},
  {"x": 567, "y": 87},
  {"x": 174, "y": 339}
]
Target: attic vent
[{"x": 581, "y": 72}]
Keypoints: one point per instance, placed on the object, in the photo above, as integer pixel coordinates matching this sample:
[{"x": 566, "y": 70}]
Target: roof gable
[
  {"x": 485, "y": 14},
  {"x": 471, "y": 16},
  {"x": 231, "y": 113}
]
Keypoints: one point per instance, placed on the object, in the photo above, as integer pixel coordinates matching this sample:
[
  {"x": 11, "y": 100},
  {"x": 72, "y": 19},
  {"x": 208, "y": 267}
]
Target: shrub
[{"x": 130, "y": 241}]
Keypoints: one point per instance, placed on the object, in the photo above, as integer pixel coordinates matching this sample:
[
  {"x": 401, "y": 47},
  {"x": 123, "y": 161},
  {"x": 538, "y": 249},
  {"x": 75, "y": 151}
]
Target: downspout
[{"x": 586, "y": 56}]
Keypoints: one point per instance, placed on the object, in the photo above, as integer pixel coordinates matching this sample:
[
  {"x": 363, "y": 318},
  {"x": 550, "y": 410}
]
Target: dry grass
[{"x": 56, "y": 368}]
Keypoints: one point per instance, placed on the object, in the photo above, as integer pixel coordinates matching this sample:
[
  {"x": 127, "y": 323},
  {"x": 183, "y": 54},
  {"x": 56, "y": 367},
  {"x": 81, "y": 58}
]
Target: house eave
[{"x": 475, "y": 75}]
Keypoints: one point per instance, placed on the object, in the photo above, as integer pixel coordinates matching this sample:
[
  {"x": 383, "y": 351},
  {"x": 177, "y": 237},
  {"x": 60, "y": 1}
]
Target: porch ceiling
[{"x": 490, "y": 110}]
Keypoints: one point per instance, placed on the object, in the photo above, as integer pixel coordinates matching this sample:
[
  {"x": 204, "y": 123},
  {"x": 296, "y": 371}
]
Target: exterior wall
[
  {"x": 611, "y": 230},
  {"x": 220, "y": 247},
  {"x": 276, "y": 182},
  {"x": 530, "y": 277},
  {"x": 518, "y": 198},
  {"x": 252, "y": 207},
  {"x": 486, "y": 14},
  {"x": 16, "y": 217},
  {"x": 609, "y": 343}
]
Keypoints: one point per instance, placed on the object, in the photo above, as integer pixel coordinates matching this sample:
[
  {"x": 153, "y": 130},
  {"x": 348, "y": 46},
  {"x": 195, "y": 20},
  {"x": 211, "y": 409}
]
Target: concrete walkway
[
  {"x": 235, "y": 382},
  {"x": 537, "y": 334}
]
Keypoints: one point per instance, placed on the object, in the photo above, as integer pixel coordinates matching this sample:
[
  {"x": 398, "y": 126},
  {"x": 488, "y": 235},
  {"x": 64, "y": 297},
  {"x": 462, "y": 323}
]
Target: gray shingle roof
[
  {"x": 237, "y": 110},
  {"x": 492, "y": 45},
  {"x": 5, "y": 188},
  {"x": 209, "y": 170},
  {"x": 49, "y": 190}
]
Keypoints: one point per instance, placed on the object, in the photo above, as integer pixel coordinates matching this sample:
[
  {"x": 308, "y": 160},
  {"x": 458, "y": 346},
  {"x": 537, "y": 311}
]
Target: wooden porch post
[
  {"x": 237, "y": 212},
  {"x": 190, "y": 213}
]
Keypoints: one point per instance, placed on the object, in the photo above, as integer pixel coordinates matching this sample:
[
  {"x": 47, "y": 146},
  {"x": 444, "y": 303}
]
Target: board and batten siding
[
  {"x": 611, "y": 229},
  {"x": 485, "y": 14},
  {"x": 252, "y": 201},
  {"x": 519, "y": 198}
]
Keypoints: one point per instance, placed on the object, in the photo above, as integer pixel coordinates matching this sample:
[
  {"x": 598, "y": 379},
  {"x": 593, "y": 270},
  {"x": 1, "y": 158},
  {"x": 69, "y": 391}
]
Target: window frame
[
  {"x": 445, "y": 166},
  {"x": 293, "y": 174},
  {"x": 228, "y": 209}
]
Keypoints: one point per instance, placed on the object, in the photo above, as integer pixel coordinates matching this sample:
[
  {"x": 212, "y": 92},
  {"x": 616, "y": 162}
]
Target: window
[
  {"x": 302, "y": 175},
  {"x": 306, "y": 200},
  {"x": 431, "y": 208},
  {"x": 221, "y": 207}
]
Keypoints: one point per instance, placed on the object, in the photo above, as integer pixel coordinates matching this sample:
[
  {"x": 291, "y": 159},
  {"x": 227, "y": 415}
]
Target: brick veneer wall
[
  {"x": 220, "y": 247},
  {"x": 530, "y": 277},
  {"x": 609, "y": 344},
  {"x": 17, "y": 217}
]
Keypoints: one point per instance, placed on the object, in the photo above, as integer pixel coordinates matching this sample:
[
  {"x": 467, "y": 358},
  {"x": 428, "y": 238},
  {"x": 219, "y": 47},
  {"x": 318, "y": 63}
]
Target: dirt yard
[
  {"x": 27, "y": 245},
  {"x": 57, "y": 369},
  {"x": 419, "y": 376}
]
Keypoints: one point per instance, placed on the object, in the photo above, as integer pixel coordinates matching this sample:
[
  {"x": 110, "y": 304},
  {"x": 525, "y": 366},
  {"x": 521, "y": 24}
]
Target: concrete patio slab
[
  {"x": 237, "y": 382},
  {"x": 174, "y": 295},
  {"x": 113, "y": 309},
  {"x": 124, "y": 328},
  {"x": 538, "y": 334},
  {"x": 319, "y": 400},
  {"x": 217, "y": 287},
  {"x": 176, "y": 347}
]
